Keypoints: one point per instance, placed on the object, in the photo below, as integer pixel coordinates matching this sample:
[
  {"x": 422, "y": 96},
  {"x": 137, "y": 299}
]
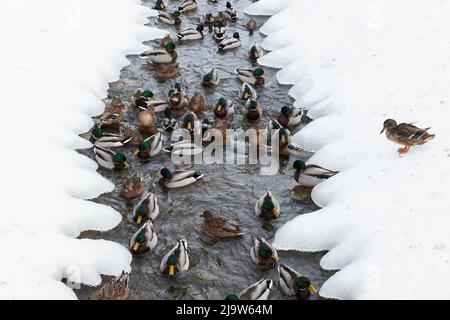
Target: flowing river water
[{"x": 217, "y": 268}]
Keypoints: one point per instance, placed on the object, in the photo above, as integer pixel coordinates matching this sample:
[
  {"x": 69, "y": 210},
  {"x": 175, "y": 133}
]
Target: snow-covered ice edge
[
  {"x": 57, "y": 59},
  {"x": 352, "y": 64}
]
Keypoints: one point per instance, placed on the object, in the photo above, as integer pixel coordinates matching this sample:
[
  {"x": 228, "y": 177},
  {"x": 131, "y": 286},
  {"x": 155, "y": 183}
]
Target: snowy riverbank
[
  {"x": 56, "y": 61},
  {"x": 353, "y": 64}
]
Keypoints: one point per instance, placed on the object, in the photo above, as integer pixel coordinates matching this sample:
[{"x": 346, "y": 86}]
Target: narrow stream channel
[{"x": 217, "y": 268}]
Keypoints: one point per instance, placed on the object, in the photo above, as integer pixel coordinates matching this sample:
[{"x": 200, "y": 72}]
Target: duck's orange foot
[{"x": 404, "y": 150}]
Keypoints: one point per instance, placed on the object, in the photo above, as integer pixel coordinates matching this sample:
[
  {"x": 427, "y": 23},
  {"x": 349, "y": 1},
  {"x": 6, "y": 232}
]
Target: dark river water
[{"x": 217, "y": 268}]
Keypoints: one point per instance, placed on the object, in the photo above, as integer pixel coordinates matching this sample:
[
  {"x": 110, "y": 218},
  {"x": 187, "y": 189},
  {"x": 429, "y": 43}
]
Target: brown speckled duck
[
  {"x": 220, "y": 227},
  {"x": 117, "y": 289},
  {"x": 197, "y": 103},
  {"x": 114, "y": 113},
  {"x": 132, "y": 187}
]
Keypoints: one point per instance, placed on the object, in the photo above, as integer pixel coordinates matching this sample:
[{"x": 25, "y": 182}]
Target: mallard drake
[
  {"x": 197, "y": 103},
  {"x": 211, "y": 79},
  {"x": 254, "y": 111},
  {"x": 114, "y": 113},
  {"x": 172, "y": 19},
  {"x": 149, "y": 147},
  {"x": 190, "y": 123},
  {"x": 184, "y": 148},
  {"x": 263, "y": 253},
  {"x": 141, "y": 98},
  {"x": 159, "y": 5},
  {"x": 253, "y": 77},
  {"x": 144, "y": 239},
  {"x": 208, "y": 19},
  {"x": 251, "y": 25},
  {"x": 132, "y": 187},
  {"x": 257, "y": 291},
  {"x": 164, "y": 41},
  {"x": 187, "y": 5},
  {"x": 168, "y": 123},
  {"x": 191, "y": 34},
  {"x": 255, "y": 52},
  {"x": 272, "y": 126},
  {"x": 146, "y": 209},
  {"x": 109, "y": 140},
  {"x": 284, "y": 142},
  {"x": 178, "y": 179},
  {"x": 219, "y": 31},
  {"x": 176, "y": 260},
  {"x": 267, "y": 207},
  {"x": 219, "y": 227},
  {"x": 292, "y": 283},
  {"x": 406, "y": 134},
  {"x": 178, "y": 101},
  {"x": 290, "y": 117},
  {"x": 167, "y": 55},
  {"x": 147, "y": 121},
  {"x": 247, "y": 92},
  {"x": 230, "y": 42},
  {"x": 109, "y": 159},
  {"x": 224, "y": 108},
  {"x": 117, "y": 289},
  {"x": 311, "y": 175}
]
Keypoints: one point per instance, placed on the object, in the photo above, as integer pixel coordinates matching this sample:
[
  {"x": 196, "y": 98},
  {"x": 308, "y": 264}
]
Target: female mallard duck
[
  {"x": 220, "y": 227},
  {"x": 187, "y": 5},
  {"x": 176, "y": 260},
  {"x": 178, "y": 179},
  {"x": 147, "y": 121},
  {"x": 114, "y": 113},
  {"x": 191, "y": 34},
  {"x": 251, "y": 25},
  {"x": 197, "y": 103},
  {"x": 184, "y": 148},
  {"x": 257, "y": 291},
  {"x": 230, "y": 42},
  {"x": 159, "y": 5},
  {"x": 211, "y": 79},
  {"x": 254, "y": 111},
  {"x": 149, "y": 147},
  {"x": 224, "y": 108},
  {"x": 311, "y": 175},
  {"x": 144, "y": 239},
  {"x": 146, "y": 209},
  {"x": 117, "y": 289},
  {"x": 109, "y": 140},
  {"x": 267, "y": 207},
  {"x": 247, "y": 92},
  {"x": 406, "y": 134},
  {"x": 253, "y": 77},
  {"x": 263, "y": 253},
  {"x": 109, "y": 159},
  {"x": 219, "y": 31},
  {"x": 167, "y": 70},
  {"x": 172, "y": 19},
  {"x": 132, "y": 187},
  {"x": 168, "y": 123},
  {"x": 135, "y": 136},
  {"x": 255, "y": 52},
  {"x": 141, "y": 98},
  {"x": 290, "y": 117},
  {"x": 167, "y": 55},
  {"x": 208, "y": 19},
  {"x": 293, "y": 283}
]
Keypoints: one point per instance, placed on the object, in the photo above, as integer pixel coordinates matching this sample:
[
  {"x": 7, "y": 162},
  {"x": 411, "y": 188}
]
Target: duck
[
  {"x": 263, "y": 254},
  {"x": 190, "y": 123},
  {"x": 230, "y": 42},
  {"x": 141, "y": 98},
  {"x": 230, "y": 11},
  {"x": 132, "y": 187},
  {"x": 211, "y": 79},
  {"x": 177, "y": 87},
  {"x": 178, "y": 101},
  {"x": 184, "y": 148},
  {"x": 267, "y": 207},
  {"x": 135, "y": 136},
  {"x": 220, "y": 227},
  {"x": 253, "y": 77},
  {"x": 219, "y": 31},
  {"x": 290, "y": 117},
  {"x": 257, "y": 291},
  {"x": 251, "y": 25},
  {"x": 208, "y": 19},
  {"x": 159, "y": 5},
  {"x": 247, "y": 92},
  {"x": 109, "y": 159},
  {"x": 146, "y": 209},
  {"x": 254, "y": 111},
  {"x": 292, "y": 283},
  {"x": 157, "y": 106},
  {"x": 255, "y": 52},
  {"x": 114, "y": 113},
  {"x": 178, "y": 179},
  {"x": 168, "y": 123},
  {"x": 117, "y": 289},
  {"x": 109, "y": 140},
  {"x": 273, "y": 126},
  {"x": 191, "y": 34},
  {"x": 144, "y": 240},
  {"x": 149, "y": 147},
  {"x": 167, "y": 70},
  {"x": 197, "y": 103},
  {"x": 187, "y": 5},
  {"x": 176, "y": 261},
  {"x": 311, "y": 175},
  {"x": 284, "y": 142},
  {"x": 167, "y": 55},
  {"x": 212, "y": 130},
  {"x": 164, "y": 41},
  {"x": 224, "y": 108},
  {"x": 172, "y": 19},
  {"x": 147, "y": 121},
  {"x": 406, "y": 134}
]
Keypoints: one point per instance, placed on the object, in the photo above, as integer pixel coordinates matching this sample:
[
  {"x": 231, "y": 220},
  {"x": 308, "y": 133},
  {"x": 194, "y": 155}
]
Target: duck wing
[{"x": 319, "y": 172}]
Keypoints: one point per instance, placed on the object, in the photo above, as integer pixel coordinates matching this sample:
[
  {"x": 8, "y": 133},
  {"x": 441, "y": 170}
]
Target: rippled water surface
[{"x": 217, "y": 268}]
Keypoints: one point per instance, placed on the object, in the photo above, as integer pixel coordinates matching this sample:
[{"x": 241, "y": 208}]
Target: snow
[
  {"x": 57, "y": 59},
  {"x": 384, "y": 218}
]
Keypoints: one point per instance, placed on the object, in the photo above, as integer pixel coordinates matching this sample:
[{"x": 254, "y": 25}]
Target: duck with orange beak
[
  {"x": 292, "y": 283},
  {"x": 144, "y": 240},
  {"x": 146, "y": 209},
  {"x": 267, "y": 207},
  {"x": 176, "y": 261},
  {"x": 263, "y": 254}
]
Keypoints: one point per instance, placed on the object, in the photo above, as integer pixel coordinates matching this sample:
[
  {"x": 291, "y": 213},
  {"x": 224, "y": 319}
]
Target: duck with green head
[
  {"x": 211, "y": 79},
  {"x": 257, "y": 291},
  {"x": 132, "y": 187},
  {"x": 254, "y": 111},
  {"x": 179, "y": 178},
  {"x": 149, "y": 147},
  {"x": 311, "y": 175},
  {"x": 284, "y": 142},
  {"x": 255, "y": 52},
  {"x": 230, "y": 11},
  {"x": 191, "y": 34},
  {"x": 263, "y": 254},
  {"x": 144, "y": 240},
  {"x": 172, "y": 19},
  {"x": 167, "y": 55},
  {"x": 253, "y": 77},
  {"x": 142, "y": 97},
  {"x": 146, "y": 209},
  {"x": 176, "y": 261},
  {"x": 247, "y": 92},
  {"x": 267, "y": 207},
  {"x": 290, "y": 117},
  {"x": 230, "y": 42},
  {"x": 292, "y": 283},
  {"x": 177, "y": 99},
  {"x": 109, "y": 159},
  {"x": 108, "y": 140},
  {"x": 159, "y": 5},
  {"x": 208, "y": 19},
  {"x": 224, "y": 108}
]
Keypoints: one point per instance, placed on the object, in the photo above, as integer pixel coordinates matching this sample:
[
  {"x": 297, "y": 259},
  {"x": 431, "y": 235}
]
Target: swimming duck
[
  {"x": 164, "y": 41},
  {"x": 254, "y": 111},
  {"x": 197, "y": 103},
  {"x": 191, "y": 34},
  {"x": 147, "y": 121},
  {"x": 135, "y": 136},
  {"x": 247, "y": 92},
  {"x": 117, "y": 289},
  {"x": 230, "y": 11},
  {"x": 149, "y": 147},
  {"x": 255, "y": 52},
  {"x": 292, "y": 283},
  {"x": 208, "y": 19},
  {"x": 230, "y": 42},
  {"x": 177, "y": 87},
  {"x": 141, "y": 98},
  {"x": 167, "y": 70},
  {"x": 224, "y": 108},
  {"x": 109, "y": 140},
  {"x": 176, "y": 260},
  {"x": 159, "y": 5},
  {"x": 251, "y": 25},
  {"x": 290, "y": 117},
  {"x": 284, "y": 142},
  {"x": 187, "y": 5},
  {"x": 220, "y": 227},
  {"x": 211, "y": 79},
  {"x": 178, "y": 179},
  {"x": 190, "y": 123},
  {"x": 172, "y": 19},
  {"x": 168, "y": 123},
  {"x": 109, "y": 159},
  {"x": 146, "y": 209},
  {"x": 132, "y": 187},
  {"x": 263, "y": 253},
  {"x": 158, "y": 105},
  {"x": 267, "y": 207},
  {"x": 253, "y": 77},
  {"x": 167, "y": 55},
  {"x": 144, "y": 239},
  {"x": 177, "y": 100},
  {"x": 273, "y": 126},
  {"x": 311, "y": 175},
  {"x": 257, "y": 291},
  {"x": 114, "y": 113},
  {"x": 406, "y": 134},
  {"x": 219, "y": 31}
]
